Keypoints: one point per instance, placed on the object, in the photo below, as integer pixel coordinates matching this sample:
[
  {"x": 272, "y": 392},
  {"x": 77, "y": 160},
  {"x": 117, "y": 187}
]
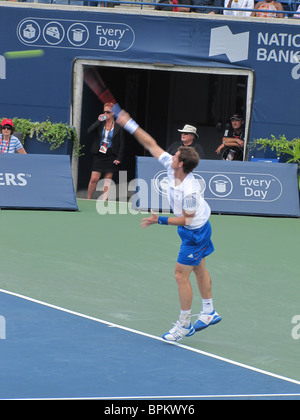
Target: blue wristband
[{"x": 162, "y": 220}]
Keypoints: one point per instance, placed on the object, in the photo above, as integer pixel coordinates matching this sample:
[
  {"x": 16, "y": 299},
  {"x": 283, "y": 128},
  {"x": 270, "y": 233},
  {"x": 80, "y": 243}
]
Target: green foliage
[
  {"x": 24, "y": 126},
  {"x": 282, "y": 146},
  {"x": 53, "y": 133}
]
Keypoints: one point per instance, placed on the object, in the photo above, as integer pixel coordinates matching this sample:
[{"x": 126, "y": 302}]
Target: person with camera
[{"x": 232, "y": 146}]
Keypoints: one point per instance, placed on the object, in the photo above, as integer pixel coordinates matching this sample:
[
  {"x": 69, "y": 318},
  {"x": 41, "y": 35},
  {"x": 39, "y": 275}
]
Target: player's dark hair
[{"x": 189, "y": 157}]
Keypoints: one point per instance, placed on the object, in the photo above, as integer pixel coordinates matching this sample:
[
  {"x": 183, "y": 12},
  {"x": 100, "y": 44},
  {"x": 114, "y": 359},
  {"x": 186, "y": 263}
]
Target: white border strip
[
  {"x": 168, "y": 397},
  {"x": 214, "y": 356}
]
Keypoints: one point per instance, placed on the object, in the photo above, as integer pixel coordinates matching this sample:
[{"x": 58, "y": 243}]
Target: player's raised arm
[{"x": 125, "y": 121}]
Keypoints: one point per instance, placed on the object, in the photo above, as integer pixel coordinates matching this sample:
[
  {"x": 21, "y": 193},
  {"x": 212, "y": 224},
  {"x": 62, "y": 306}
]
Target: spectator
[
  {"x": 209, "y": 4},
  {"x": 107, "y": 148},
  {"x": 69, "y": 2},
  {"x": 172, "y": 5},
  {"x": 297, "y": 14},
  {"x": 233, "y": 140},
  {"x": 8, "y": 142},
  {"x": 269, "y": 7},
  {"x": 238, "y": 4},
  {"x": 189, "y": 137}
]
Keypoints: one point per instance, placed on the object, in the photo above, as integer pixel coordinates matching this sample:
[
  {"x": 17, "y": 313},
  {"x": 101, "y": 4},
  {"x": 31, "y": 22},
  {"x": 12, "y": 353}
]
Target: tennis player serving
[{"x": 191, "y": 216}]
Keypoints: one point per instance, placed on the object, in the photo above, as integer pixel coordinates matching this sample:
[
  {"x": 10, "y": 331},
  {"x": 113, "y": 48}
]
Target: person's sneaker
[
  {"x": 178, "y": 332},
  {"x": 204, "y": 320}
]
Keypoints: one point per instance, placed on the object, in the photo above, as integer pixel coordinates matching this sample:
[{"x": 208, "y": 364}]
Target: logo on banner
[
  {"x": 220, "y": 185},
  {"x": 296, "y": 71},
  {"x": 223, "y": 41},
  {"x": 233, "y": 186},
  {"x": 245, "y": 187},
  {"x": 276, "y": 47},
  {"x": 160, "y": 183},
  {"x": 63, "y": 33}
]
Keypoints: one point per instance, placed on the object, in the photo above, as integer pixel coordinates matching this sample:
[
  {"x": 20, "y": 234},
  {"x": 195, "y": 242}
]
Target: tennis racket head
[
  {"x": 95, "y": 82},
  {"x": 93, "y": 79}
]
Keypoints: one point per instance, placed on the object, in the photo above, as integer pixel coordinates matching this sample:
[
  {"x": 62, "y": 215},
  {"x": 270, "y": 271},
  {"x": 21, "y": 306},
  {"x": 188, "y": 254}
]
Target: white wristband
[{"x": 131, "y": 126}]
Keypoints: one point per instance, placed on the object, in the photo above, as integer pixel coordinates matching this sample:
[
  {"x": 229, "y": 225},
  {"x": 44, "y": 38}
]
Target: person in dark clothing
[
  {"x": 189, "y": 137},
  {"x": 107, "y": 148},
  {"x": 232, "y": 146},
  {"x": 172, "y": 5},
  {"x": 209, "y": 4}
]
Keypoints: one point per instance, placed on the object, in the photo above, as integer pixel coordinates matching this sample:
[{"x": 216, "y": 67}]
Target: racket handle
[{"x": 116, "y": 109}]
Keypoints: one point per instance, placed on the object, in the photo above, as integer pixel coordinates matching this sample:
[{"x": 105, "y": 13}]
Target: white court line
[
  {"x": 214, "y": 396},
  {"x": 167, "y": 397},
  {"x": 214, "y": 356}
]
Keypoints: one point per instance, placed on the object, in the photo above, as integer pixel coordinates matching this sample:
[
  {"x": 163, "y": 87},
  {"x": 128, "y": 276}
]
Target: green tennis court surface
[{"x": 109, "y": 268}]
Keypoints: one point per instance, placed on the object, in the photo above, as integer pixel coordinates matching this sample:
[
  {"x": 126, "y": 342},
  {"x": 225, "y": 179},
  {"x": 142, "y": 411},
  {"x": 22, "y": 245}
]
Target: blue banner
[
  {"x": 228, "y": 187},
  {"x": 36, "y": 182},
  {"x": 63, "y": 35}
]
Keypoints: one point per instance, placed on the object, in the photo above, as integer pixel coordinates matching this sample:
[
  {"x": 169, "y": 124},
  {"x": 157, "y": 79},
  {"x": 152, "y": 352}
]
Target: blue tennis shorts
[{"x": 196, "y": 244}]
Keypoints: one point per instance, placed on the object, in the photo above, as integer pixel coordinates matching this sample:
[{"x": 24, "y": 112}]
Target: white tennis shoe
[
  {"x": 178, "y": 332},
  {"x": 205, "y": 320}
]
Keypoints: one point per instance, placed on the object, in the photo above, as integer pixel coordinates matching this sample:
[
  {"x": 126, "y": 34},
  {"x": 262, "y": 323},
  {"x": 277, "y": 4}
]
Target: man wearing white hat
[{"x": 189, "y": 137}]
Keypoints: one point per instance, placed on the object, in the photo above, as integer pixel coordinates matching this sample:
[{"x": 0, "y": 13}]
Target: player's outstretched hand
[{"x": 149, "y": 220}]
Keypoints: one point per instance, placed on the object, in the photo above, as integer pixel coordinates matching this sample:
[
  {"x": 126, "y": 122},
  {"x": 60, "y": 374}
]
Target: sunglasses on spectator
[
  {"x": 107, "y": 112},
  {"x": 6, "y": 127}
]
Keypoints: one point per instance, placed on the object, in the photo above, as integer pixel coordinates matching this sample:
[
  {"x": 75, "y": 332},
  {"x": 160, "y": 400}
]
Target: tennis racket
[{"x": 96, "y": 84}]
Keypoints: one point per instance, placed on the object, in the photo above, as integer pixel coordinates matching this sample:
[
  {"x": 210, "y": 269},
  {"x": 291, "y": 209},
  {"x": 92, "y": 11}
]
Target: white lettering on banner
[
  {"x": 296, "y": 72},
  {"x": 103, "y": 42},
  {"x": 271, "y": 47},
  {"x": 288, "y": 56},
  {"x": 280, "y": 40},
  {"x": 255, "y": 187},
  {"x": 255, "y": 182},
  {"x": 282, "y": 51},
  {"x": 106, "y": 35},
  {"x": 9, "y": 179},
  {"x": 118, "y": 33},
  {"x": 245, "y": 187},
  {"x": 65, "y": 33}
]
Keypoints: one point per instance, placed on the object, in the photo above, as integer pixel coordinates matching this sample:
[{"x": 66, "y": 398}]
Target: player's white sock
[
  {"x": 207, "y": 306},
  {"x": 185, "y": 318}
]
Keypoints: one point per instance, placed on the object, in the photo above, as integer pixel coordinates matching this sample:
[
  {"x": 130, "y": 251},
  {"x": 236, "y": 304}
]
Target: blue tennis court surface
[{"x": 48, "y": 352}]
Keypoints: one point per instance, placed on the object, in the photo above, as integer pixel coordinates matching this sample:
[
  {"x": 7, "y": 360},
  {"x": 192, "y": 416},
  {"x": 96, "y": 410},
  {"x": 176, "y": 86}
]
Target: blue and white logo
[{"x": 235, "y": 46}]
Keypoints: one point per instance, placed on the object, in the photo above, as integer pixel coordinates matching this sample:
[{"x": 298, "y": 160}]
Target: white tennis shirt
[{"x": 185, "y": 196}]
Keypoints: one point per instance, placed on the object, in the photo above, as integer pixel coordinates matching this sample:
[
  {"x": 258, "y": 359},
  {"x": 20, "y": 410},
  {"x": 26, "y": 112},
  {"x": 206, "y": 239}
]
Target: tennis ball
[{"x": 23, "y": 54}]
